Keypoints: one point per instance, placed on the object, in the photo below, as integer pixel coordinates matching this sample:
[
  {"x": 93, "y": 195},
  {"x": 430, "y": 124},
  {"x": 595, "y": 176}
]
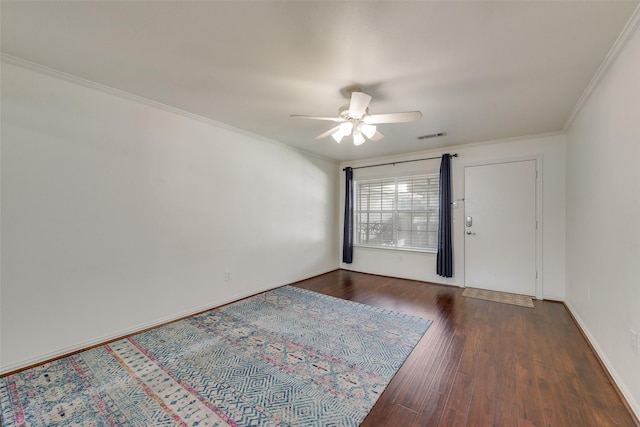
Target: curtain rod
[{"x": 402, "y": 161}]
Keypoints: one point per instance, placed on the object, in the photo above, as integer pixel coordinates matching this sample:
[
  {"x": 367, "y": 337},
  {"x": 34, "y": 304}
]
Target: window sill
[{"x": 389, "y": 248}]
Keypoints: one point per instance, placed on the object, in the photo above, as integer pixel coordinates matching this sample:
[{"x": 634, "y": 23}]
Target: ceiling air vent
[{"x": 432, "y": 135}]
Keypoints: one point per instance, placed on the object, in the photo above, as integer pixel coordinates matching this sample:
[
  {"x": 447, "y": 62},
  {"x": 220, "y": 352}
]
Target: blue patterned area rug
[{"x": 287, "y": 357}]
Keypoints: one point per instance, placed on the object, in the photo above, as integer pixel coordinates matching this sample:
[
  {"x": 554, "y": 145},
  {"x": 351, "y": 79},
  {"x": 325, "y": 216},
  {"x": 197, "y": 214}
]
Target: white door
[{"x": 500, "y": 227}]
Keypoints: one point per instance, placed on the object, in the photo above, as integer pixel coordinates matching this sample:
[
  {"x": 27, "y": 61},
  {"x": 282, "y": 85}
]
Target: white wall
[
  {"x": 603, "y": 210},
  {"x": 549, "y": 150},
  {"x": 117, "y": 215}
]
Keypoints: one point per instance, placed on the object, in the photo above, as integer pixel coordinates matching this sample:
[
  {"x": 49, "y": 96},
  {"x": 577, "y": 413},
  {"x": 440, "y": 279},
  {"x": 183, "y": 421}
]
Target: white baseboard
[
  {"x": 123, "y": 333},
  {"x": 619, "y": 382},
  {"x": 4, "y": 369},
  {"x": 553, "y": 298}
]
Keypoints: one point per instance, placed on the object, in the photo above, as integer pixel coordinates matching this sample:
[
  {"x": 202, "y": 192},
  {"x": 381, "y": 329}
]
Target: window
[{"x": 400, "y": 212}]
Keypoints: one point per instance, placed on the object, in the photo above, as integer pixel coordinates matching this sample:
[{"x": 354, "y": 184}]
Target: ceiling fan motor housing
[{"x": 343, "y": 113}]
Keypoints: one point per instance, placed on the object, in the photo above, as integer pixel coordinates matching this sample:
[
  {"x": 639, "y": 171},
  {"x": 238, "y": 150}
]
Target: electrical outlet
[
  {"x": 227, "y": 276},
  {"x": 633, "y": 342}
]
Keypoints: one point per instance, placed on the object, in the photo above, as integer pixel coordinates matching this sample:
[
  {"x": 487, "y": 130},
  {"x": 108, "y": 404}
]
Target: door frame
[{"x": 538, "y": 249}]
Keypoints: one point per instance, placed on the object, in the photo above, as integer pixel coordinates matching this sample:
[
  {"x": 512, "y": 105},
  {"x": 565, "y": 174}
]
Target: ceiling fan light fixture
[
  {"x": 358, "y": 139},
  {"x": 337, "y": 136},
  {"x": 346, "y": 128},
  {"x": 367, "y": 129}
]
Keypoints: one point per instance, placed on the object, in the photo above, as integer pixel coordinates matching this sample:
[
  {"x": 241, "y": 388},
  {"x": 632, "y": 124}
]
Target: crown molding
[
  {"x": 72, "y": 78},
  {"x": 442, "y": 150},
  {"x": 627, "y": 32}
]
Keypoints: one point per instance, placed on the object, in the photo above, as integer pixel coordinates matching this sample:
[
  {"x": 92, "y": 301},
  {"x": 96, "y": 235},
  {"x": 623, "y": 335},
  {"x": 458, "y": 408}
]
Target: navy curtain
[
  {"x": 347, "y": 241},
  {"x": 445, "y": 248}
]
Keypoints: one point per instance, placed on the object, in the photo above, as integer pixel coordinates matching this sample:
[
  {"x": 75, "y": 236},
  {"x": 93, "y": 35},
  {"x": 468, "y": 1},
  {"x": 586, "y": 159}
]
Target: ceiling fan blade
[
  {"x": 358, "y": 105},
  {"x": 329, "y": 119},
  {"x": 329, "y": 132},
  {"x": 409, "y": 116},
  {"x": 377, "y": 136}
]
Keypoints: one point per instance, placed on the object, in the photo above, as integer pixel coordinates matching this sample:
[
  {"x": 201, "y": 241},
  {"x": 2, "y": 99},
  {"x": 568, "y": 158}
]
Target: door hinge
[
  {"x": 536, "y": 224},
  {"x": 536, "y": 274}
]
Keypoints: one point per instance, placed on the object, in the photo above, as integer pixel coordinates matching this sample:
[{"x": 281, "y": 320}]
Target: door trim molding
[{"x": 538, "y": 158}]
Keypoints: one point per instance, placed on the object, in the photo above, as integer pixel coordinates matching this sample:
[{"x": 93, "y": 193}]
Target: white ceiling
[{"x": 478, "y": 70}]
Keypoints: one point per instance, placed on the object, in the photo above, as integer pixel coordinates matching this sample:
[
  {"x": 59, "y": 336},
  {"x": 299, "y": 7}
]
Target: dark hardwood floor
[{"x": 483, "y": 363}]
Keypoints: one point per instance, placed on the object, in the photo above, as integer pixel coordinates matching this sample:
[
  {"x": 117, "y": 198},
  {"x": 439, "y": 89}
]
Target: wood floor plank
[
  {"x": 432, "y": 408},
  {"x": 483, "y": 398},
  {"x": 456, "y": 411},
  {"x": 506, "y": 413},
  {"x": 396, "y": 415},
  {"x": 444, "y": 376},
  {"x": 530, "y": 411},
  {"x": 412, "y": 392},
  {"x": 483, "y": 363},
  {"x": 546, "y": 377}
]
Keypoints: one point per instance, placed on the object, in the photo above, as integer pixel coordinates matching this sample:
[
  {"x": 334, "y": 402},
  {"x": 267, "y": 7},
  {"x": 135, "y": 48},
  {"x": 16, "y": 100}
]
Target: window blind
[{"x": 399, "y": 212}]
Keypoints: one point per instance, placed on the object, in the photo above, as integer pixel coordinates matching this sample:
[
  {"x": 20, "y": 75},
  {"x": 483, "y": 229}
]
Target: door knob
[{"x": 470, "y": 233}]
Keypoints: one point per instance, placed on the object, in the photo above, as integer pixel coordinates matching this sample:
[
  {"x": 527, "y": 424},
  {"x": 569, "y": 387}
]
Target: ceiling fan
[{"x": 354, "y": 119}]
